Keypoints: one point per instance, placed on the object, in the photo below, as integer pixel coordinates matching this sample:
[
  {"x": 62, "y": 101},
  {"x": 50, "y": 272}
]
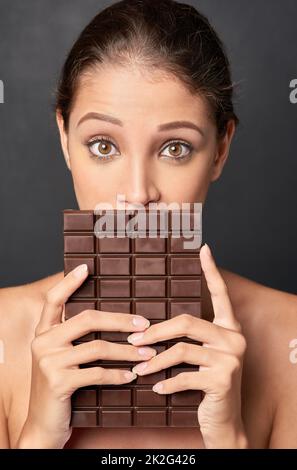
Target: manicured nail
[
  {"x": 140, "y": 321},
  {"x": 147, "y": 351},
  {"x": 207, "y": 249},
  {"x": 134, "y": 337},
  {"x": 130, "y": 375},
  {"x": 80, "y": 270},
  {"x": 140, "y": 367},
  {"x": 158, "y": 387}
]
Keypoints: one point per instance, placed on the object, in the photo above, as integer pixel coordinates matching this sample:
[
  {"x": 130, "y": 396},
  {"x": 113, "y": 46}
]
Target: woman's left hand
[{"x": 219, "y": 358}]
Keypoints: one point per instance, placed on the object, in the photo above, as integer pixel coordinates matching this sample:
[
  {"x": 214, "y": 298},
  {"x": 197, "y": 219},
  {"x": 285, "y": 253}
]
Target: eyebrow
[{"x": 161, "y": 127}]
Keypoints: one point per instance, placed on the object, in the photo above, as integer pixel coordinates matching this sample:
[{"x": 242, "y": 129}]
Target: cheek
[
  {"x": 91, "y": 181},
  {"x": 90, "y": 186},
  {"x": 188, "y": 183}
]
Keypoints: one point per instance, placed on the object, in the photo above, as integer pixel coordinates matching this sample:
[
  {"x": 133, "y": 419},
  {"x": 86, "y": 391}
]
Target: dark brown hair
[{"x": 162, "y": 35}]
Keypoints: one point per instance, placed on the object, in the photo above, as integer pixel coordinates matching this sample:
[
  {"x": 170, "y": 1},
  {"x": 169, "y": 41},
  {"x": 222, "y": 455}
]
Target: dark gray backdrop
[{"x": 250, "y": 216}]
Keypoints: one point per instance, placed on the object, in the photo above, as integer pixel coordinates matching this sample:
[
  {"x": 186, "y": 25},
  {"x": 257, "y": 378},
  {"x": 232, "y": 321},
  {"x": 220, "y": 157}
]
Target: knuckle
[
  {"x": 51, "y": 297},
  {"x": 36, "y": 346},
  {"x": 87, "y": 318},
  {"x": 223, "y": 381},
  {"x": 44, "y": 364},
  {"x": 186, "y": 322},
  {"x": 117, "y": 376},
  {"x": 180, "y": 349},
  {"x": 206, "y": 354},
  {"x": 120, "y": 377},
  {"x": 56, "y": 383},
  {"x": 99, "y": 348},
  {"x": 98, "y": 373},
  {"x": 183, "y": 379},
  {"x": 235, "y": 365},
  {"x": 241, "y": 344},
  {"x": 129, "y": 351},
  {"x": 154, "y": 331}
]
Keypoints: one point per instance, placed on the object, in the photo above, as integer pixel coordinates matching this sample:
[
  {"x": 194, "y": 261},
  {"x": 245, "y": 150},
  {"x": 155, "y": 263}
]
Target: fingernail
[
  {"x": 130, "y": 375},
  {"x": 140, "y": 367},
  {"x": 140, "y": 321},
  {"x": 207, "y": 249},
  {"x": 80, "y": 270},
  {"x": 135, "y": 337},
  {"x": 147, "y": 351},
  {"x": 158, "y": 387}
]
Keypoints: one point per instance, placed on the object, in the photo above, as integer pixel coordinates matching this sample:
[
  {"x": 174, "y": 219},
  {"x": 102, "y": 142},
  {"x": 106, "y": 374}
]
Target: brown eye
[
  {"x": 101, "y": 148},
  {"x": 175, "y": 150}
]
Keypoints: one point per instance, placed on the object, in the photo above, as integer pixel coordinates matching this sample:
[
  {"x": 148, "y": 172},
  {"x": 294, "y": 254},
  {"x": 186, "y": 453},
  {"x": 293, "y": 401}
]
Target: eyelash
[{"x": 106, "y": 158}]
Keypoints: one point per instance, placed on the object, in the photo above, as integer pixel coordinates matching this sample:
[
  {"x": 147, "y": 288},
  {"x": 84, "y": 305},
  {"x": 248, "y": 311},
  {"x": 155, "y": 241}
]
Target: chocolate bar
[{"x": 149, "y": 272}]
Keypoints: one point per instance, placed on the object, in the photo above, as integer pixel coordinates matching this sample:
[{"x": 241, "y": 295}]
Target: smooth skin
[{"x": 245, "y": 372}]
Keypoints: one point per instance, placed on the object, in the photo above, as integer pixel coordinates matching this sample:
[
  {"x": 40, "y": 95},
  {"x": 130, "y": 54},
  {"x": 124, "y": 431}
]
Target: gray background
[{"x": 250, "y": 216}]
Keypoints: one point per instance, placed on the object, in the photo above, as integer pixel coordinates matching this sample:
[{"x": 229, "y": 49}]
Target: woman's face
[{"x": 162, "y": 145}]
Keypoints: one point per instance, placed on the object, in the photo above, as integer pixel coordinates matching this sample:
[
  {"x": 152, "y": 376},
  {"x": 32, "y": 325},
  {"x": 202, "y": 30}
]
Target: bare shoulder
[
  {"x": 269, "y": 321},
  {"x": 256, "y": 304},
  {"x": 18, "y": 310},
  {"x": 20, "y": 307}
]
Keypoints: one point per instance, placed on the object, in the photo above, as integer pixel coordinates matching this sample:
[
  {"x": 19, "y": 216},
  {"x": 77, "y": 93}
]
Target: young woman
[{"x": 144, "y": 108}]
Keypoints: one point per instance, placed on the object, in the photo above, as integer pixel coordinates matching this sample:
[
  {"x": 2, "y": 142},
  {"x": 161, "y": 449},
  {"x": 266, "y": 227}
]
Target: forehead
[{"x": 130, "y": 93}]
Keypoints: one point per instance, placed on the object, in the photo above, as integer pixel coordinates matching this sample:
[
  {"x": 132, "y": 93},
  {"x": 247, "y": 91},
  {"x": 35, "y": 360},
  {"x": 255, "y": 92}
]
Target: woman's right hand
[{"x": 55, "y": 371}]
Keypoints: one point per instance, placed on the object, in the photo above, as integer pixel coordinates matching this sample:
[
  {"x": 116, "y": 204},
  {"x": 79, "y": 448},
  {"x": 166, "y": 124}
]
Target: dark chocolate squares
[{"x": 137, "y": 271}]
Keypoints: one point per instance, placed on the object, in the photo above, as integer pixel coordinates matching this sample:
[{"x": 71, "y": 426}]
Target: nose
[{"x": 140, "y": 183}]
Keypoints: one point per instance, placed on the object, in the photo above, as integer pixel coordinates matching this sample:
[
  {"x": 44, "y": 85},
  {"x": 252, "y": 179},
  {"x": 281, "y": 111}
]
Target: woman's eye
[
  {"x": 101, "y": 149},
  {"x": 175, "y": 150}
]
